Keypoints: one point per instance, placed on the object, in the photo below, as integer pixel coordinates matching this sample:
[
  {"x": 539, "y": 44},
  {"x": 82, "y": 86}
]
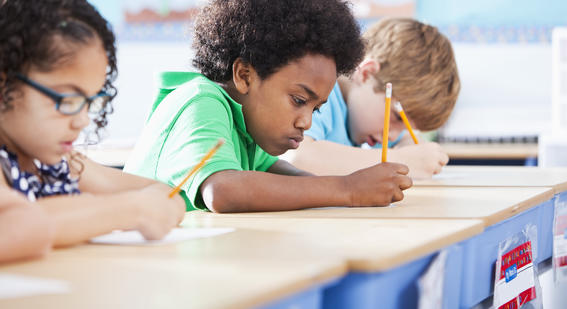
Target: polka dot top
[{"x": 55, "y": 179}]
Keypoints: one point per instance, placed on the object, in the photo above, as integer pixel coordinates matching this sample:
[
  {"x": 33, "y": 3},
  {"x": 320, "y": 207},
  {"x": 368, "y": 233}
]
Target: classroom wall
[
  {"x": 503, "y": 50},
  {"x": 506, "y": 90},
  {"x": 138, "y": 64}
]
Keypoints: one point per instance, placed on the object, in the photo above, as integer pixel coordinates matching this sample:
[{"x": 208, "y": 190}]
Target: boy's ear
[
  {"x": 242, "y": 75},
  {"x": 368, "y": 68}
]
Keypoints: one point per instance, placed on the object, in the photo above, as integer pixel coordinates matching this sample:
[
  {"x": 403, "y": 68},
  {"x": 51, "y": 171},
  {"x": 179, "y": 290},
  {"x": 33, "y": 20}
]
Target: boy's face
[
  {"x": 366, "y": 108},
  {"x": 33, "y": 128},
  {"x": 278, "y": 109}
]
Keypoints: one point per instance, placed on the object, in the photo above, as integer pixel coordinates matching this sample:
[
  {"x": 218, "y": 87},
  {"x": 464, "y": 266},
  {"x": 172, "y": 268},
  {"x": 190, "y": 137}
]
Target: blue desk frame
[
  {"x": 480, "y": 252},
  {"x": 312, "y": 298},
  {"x": 469, "y": 271}
]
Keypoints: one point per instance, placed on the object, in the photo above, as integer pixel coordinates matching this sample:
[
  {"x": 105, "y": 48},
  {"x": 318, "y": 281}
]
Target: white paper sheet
[
  {"x": 176, "y": 235},
  {"x": 431, "y": 283},
  {"x": 13, "y": 286}
]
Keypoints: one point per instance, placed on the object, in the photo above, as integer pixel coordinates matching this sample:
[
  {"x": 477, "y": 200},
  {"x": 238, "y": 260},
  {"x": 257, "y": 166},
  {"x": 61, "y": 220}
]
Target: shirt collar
[{"x": 173, "y": 80}]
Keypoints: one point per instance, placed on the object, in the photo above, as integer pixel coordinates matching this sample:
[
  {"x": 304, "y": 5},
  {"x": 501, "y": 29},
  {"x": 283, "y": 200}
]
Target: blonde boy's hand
[
  {"x": 424, "y": 160},
  {"x": 158, "y": 213},
  {"x": 378, "y": 185}
]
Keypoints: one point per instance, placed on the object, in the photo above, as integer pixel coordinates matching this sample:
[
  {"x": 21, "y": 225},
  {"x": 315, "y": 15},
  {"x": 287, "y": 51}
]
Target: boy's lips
[
  {"x": 295, "y": 141},
  {"x": 371, "y": 140}
]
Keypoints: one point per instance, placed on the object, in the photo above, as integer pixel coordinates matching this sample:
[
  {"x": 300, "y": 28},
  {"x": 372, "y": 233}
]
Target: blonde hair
[{"x": 419, "y": 61}]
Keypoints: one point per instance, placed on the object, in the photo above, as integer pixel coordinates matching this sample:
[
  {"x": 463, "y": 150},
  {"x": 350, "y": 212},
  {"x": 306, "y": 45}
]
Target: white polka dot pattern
[{"x": 55, "y": 179}]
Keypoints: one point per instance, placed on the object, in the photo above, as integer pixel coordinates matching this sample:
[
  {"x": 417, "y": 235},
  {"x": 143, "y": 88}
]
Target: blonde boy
[{"x": 419, "y": 62}]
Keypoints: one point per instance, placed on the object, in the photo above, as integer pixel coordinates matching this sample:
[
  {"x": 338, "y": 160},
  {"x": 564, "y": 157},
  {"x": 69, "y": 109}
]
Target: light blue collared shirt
[{"x": 331, "y": 122}]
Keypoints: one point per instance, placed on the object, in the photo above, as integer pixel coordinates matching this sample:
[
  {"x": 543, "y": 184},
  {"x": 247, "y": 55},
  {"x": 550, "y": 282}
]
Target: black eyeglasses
[{"x": 70, "y": 104}]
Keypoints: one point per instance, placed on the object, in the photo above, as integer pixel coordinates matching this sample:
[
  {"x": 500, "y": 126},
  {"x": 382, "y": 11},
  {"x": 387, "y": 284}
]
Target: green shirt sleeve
[
  {"x": 262, "y": 160},
  {"x": 196, "y": 130}
]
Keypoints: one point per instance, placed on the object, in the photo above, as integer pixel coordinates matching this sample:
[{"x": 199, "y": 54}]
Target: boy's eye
[
  {"x": 397, "y": 116},
  {"x": 298, "y": 101}
]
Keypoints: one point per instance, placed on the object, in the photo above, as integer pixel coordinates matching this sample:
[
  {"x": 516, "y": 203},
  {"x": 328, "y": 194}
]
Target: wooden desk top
[
  {"x": 499, "y": 176},
  {"x": 491, "y": 205},
  {"x": 235, "y": 270},
  {"x": 490, "y": 151},
  {"x": 366, "y": 245},
  {"x": 262, "y": 261}
]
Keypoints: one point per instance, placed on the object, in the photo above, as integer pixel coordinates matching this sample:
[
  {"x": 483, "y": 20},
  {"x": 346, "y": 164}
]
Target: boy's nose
[
  {"x": 304, "y": 121},
  {"x": 395, "y": 133}
]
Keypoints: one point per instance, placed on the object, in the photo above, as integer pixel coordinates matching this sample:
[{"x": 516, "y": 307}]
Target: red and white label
[
  {"x": 516, "y": 284},
  {"x": 560, "y": 241}
]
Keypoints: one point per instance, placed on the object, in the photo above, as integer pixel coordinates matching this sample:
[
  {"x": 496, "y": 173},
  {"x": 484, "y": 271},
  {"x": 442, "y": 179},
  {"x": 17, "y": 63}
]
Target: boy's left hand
[{"x": 424, "y": 160}]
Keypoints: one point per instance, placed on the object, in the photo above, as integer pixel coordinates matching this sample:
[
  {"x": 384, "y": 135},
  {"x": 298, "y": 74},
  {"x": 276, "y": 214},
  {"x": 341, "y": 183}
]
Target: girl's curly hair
[
  {"x": 29, "y": 32},
  {"x": 269, "y": 34}
]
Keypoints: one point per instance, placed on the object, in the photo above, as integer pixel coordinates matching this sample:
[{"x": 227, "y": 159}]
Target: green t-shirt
[{"x": 187, "y": 119}]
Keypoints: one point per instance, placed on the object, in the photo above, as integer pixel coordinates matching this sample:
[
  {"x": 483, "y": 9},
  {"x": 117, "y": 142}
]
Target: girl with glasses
[{"x": 57, "y": 66}]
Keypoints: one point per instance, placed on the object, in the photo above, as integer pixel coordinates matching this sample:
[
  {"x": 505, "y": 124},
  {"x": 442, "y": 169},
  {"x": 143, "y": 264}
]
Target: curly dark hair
[
  {"x": 28, "y": 32},
  {"x": 269, "y": 34}
]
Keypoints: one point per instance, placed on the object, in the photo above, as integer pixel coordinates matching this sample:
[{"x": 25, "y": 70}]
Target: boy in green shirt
[{"x": 266, "y": 66}]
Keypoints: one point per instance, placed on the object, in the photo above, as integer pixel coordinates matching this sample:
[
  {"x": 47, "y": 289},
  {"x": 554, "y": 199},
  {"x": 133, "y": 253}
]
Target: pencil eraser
[
  {"x": 389, "y": 90},
  {"x": 398, "y": 107}
]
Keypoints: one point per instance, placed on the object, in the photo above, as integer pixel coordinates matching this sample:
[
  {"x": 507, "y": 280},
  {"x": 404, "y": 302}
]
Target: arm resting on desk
[
  {"x": 328, "y": 158},
  {"x": 241, "y": 191}
]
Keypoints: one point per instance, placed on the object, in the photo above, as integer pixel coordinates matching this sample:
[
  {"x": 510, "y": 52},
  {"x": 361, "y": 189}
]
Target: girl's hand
[{"x": 157, "y": 213}]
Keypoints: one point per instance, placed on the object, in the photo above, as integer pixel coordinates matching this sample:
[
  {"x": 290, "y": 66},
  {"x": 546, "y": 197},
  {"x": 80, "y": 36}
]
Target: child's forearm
[
  {"x": 243, "y": 191},
  {"x": 25, "y": 232},
  {"x": 99, "y": 179},
  {"x": 80, "y": 217},
  {"x": 238, "y": 191},
  {"x": 25, "y": 229}
]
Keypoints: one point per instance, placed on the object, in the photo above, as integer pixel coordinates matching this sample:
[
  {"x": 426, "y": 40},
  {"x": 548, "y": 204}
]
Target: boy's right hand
[
  {"x": 378, "y": 185},
  {"x": 158, "y": 213},
  {"x": 424, "y": 160}
]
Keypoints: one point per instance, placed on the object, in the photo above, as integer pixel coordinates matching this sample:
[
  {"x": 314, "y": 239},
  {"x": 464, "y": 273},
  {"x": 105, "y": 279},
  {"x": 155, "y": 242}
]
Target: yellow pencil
[
  {"x": 400, "y": 110},
  {"x": 197, "y": 167},
  {"x": 385, "y": 133}
]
